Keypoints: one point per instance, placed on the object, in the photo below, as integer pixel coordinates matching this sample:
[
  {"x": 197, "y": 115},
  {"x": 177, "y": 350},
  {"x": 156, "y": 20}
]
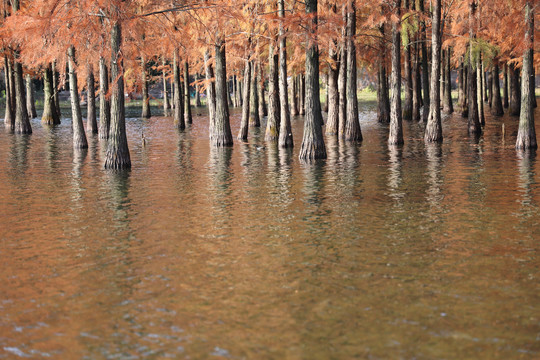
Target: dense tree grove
[{"x": 280, "y": 53}]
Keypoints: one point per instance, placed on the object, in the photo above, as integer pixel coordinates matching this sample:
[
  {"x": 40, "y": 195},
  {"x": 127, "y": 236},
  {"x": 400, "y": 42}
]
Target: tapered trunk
[
  {"x": 22, "y": 122},
  {"x": 448, "y": 105},
  {"x": 79, "y": 136},
  {"x": 352, "y": 127},
  {"x": 416, "y": 89},
  {"x": 425, "y": 66},
  {"x": 505, "y": 86},
  {"x": 272, "y": 123},
  {"x": 396, "y": 130},
  {"x": 313, "y": 142},
  {"x": 342, "y": 78},
  {"x": 333, "y": 94},
  {"x": 145, "y": 114},
  {"x": 294, "y": 96},
  {"x": 254, "y": 119},
  {"x": 383, "y": 96},
  {"x": 480, "y": 89},
  {"x": 49, "y": 116},
  {"x": 221, "y": 134},
  {"x": 210, "y": 92},
  {"x": 285, "y": 132},
  {"x": 179, "y": 117},
  {"x": 9, "y": 118},
  {"x": 187, "y": 98},
  {"x": 408, "y": 100},
  {"x": 526, "y": 138},
  {"x": 117, "y": 156},
  {"x": 165, "y": 92},
  {"x": 497, "y": 106},
  {"x": 30, "y": 98},
  {"x": 434, "y": 127},
  {"x": 244, "y": 125},
  {"x": 56, "y": 86},
  {"x": 515, "y": 91},
  {"x": 474, "y": 120},
  {"x": 91, "y": 121},
  {"x": 104, "y": 102}
]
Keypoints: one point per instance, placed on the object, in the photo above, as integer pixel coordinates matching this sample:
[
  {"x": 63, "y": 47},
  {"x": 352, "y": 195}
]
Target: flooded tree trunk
[
  {"x": 448, "y": 105},
  {"x": 49, "y": 117},
  {"x": 263, "y": 107},
  {"x": 333, "y": 94},
  {"x": 464, "y": 103},
  {"x": 313, "y": 141},
  {"x": 417, "y": 91},
  {"x": 198, "y": 92},
  {"x": 505, "y": 86},
  {"x": 210, "y": 92},
  {"x": 352, "y": 127},
  {"x": 272, "y": 123},
  {"x": 325, "y": 104},
  {"x": 165, "y": 91},
  {"x": 187, "y": 98},
  {"x": 254, "y": 119},
  {"x": 79, "y": 136},
  {"x": 285, "y": 132},
  {"x": 104, "y": 102},
  {"x": 22, "y": 122},
  {"x": 480, "y": 89},
  {"x": 526, "y": 138},
  {"x": 302, "y": 95},
  {"x": 221, "y": 134},
  {"x": 244, "y": 125},
  {"x": 395, "y": 136},
  {"x": 30, "y": 97},
  {"x": 425, "y": 65},
  {"x": 145, "y": 114},
  {"x": 230, "y": 89},
  {"x": 434, "y": 127},
  {"x": 408, "y": 100},
  {"x": 383, "y": 96},
  {"x": 490, "y": 88},
  {"x": 56, "y": 86},
  {"x": 515, "y": 91},
  {"x": 474, "y": 120},
  {"x": 294, "y": 96},
  {"x": 342, "y": 78},
  {"x": 117, "y": 156},
  {"x": 497, "y": 108},
  {"x": 91, "y": 121},
  {"x": 179, "y": 117},
  {"x": 9, "y": 118}
]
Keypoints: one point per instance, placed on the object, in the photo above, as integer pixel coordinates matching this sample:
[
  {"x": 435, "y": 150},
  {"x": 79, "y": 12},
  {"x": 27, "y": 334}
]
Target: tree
[
  {"x": 395, "y": 136},
  {"x": 434, "y": 127}
]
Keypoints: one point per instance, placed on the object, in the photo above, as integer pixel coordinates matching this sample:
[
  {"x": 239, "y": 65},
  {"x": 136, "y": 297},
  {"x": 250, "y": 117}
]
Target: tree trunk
[
  {"x": 244, "y": 125},
  {"x": 165, "y": 91},
  {"x": 117, "y": 150},
  {"x": 325, "y": 104},
  {"x": 352, "y": 127},
  {"x": 383, "y": 96},
  {"x": 474, "y": 120},
  {"x": 515, "y": 91},
  {"x": 254, "y": 119},
  {"x": 463, "y": 82},
  {"x": 333, "y": 94},
  {"x": 526, "y": 138},
  {"x": 313, "y": 142},
  {"x": 408, "y": 101},
  {"x": 145, "y": 114},
  {"x": 79, "y": 136},
  {"x": 294, "y": 96},
  {"x": 197, "y": 92},
  {"x": 210, "y": 92},
  {"x": 285, "y": 132},
  {"x": 187, "y": 97},
  {"x": 104, "y": 102},
  {"x": 30, "y": 99},
  {"x": 49, "y": 117},
  {"x": 425, "y": 66},
  {"x": 395, "y": 136},
  {"x": 505, "y": 86},
  {"x": 434, "y": 127},
  {"x": 272, "y": 123},
  {"x": 9, "y": 118},
  {"x": 91, "y": 122},
  {"x": 263, "y": 108},
  {"x": 22, "y": 123},
  {"x": 416, "y": 89},
  {"x": 448, "y": 105},
  {"x": 490, "y": 88},
  {"x": 342, "y": 78},
  {"x": 480, "y": 89},
  {"x": 302, "y": 95},
  {"x": 56, "y": 86},
  {"x": 497, "y": 108},
  {"x": 230, "y": 88},
  {"x": 179, "y": 117},
  {"x": 221, "y": 134}
]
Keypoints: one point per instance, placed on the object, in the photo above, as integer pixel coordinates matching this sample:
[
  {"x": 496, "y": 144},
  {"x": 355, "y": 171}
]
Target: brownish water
[{"x": 377, "y": 252}]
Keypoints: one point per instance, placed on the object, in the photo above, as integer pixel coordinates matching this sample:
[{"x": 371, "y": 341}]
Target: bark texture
[
  {"x": 145, "y": 114},
  {"x": 104, "y": 102},
  {"x": 352, "y": 127},
  {"x": 30, "y": 98},
  {"x": 272, "y": 123},
  {"x": 434, "y": 127},
  {"x": 179, "y": 119},
  {"x": 285, "y": 133},
  {"x": 91, "y": 121},
  {"x": 49, "y": 116},
  {"x": 497, "y": 106},
  {"x": 254, "y": 118},
  {"x": 210, "y": 91},
  {"x": 221, "y": 134},
  {"x": 79, "y": 136},
  {"x": 448, "y": 104},
  {"x": 473, "y": 118},
  {"x": 395, "y": 136},
  {"x": 515, "y": 91},
  {"x": 187, "y": 98}
]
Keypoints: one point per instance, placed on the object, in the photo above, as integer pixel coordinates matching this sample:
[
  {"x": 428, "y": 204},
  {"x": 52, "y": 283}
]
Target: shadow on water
[
  {"x": 18, "y": 157},
  {"x": 526, "y": 181}
]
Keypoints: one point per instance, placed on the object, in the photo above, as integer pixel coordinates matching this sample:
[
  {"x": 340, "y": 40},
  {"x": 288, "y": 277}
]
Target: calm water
[{"x": 413, "y": 252}]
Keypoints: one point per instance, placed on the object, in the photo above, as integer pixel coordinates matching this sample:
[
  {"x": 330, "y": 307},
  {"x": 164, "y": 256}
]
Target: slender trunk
[
  {"x": 313, "y": 141},
  {"x": 49, "y": 117},
  {"x": 30, "y": 99},
  {"x": 342, "y": 78},
  {"x": 104, "y": 102},
  {"x": 396, "y": 130},
  {"x": 526, "y": 138},
  {"x": 490, "y": 88},
  {"x": 480, "y": 90},
  {"x": 302, "y": 95},
  {"x": 333, "y": 94},
  {"x": 22, "y": 122},
  {"x": 285, "y": 132},
  {"x": 179, "y": 119},
  {"x": 325, "y": 104},
  {"x": 425, "y": 66},
  {"x": 408, "y": 101},
  {"x": 145, "y": 114},
  {"x": 294, "y": 96},
  {"x": 117, "y": 150},
  {"x": 448, "y": 105},
  {"x": 485, "y": 83},
  {"x": 254, "y": 119},
  {"x": 56, "y": 87},
  {"x": 505, "y": 86},
  {"x": 352, "y": 127},
  {"x": 221, "y": 134},
  {"x": 230, "y": 88},
  {"x": 187, "y": 98},
  {"x": 474, "y": 120},
  {"x": 463, "y": 83},
  {"x": 9, "y": 118},
  {"x": 383, "y": 96},
  {"x": 165, "y": 92},
  {"x": 263, "y": 108},
  {"x": 210, "y": 92},
  {"x": 434, "y": 127},
  {"x": 272, "y": 123},
  {"x": 79, "y": 137},
  {"x": 236, "y": 91},
  {"x": 416, "y": 95},
  {"x": 91, "y": 122},
  {"x": 515, "y": 91},
  {"x": 497, "y": 108},
  {"x": 197, "y": 92},
  {"x": 244, "y": 125}
]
